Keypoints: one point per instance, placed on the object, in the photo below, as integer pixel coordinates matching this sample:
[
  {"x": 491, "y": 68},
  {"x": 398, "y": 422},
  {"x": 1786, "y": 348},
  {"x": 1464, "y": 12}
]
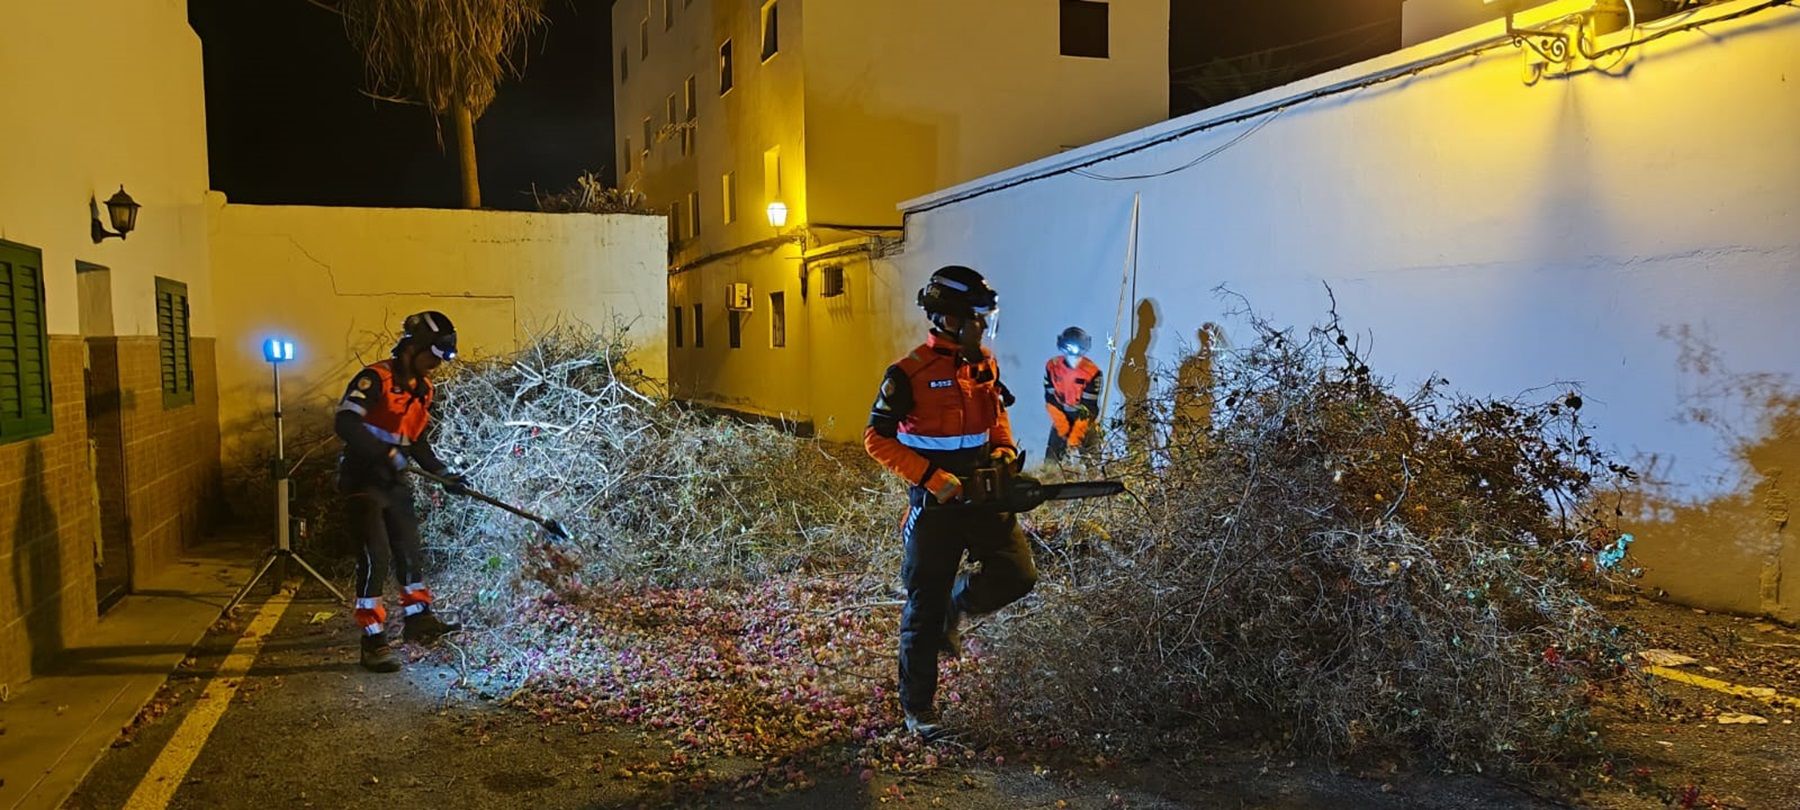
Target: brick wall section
[
  {"x": 47, "y": 528},
  {"x": 48, "y": 521},
  {"x": 171, "y": 455}
]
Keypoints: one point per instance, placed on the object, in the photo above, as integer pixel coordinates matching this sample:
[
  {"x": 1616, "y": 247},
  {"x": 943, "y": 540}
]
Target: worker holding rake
[
  {"x": 940, "y": 417},
  {"x": 382, "y": 420}
]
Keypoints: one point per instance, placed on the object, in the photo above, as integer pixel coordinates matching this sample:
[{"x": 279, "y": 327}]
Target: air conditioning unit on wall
[{"x": 737, "y": 296}]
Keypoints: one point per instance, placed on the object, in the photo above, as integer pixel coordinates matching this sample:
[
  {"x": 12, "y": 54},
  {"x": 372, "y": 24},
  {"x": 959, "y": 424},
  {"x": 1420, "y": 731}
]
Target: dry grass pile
[{"x": 1342, "y": 569}]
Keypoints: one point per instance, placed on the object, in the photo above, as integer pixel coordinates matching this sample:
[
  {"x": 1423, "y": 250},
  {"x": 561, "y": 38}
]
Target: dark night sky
[{"x": 286, "y": 122}]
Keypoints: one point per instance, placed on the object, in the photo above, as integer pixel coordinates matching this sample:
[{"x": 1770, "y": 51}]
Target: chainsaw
[{"x": 1005, "y": 488}]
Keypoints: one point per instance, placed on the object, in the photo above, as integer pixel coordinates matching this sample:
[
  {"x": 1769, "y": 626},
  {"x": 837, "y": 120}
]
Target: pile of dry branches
[
  {"x": 1310, "y": 558},
  {"x": 1322, "y": 561},
  {"x": 655, "y": 494},
  {"x": 591, "y": 196}
]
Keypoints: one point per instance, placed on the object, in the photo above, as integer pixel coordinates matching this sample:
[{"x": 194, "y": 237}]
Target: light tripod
[{"x": 278, "y": 352}]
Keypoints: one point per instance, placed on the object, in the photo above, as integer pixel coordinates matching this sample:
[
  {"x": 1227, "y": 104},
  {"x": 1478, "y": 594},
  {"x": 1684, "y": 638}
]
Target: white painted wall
[
  {"x": 1594, "y": 228},
  {"x": 338, "y": 281},
  {"x": 95, "y": 94}
]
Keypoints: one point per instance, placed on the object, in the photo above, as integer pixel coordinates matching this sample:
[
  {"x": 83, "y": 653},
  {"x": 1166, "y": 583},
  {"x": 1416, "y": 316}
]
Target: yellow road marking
[
  {"x": 171, "y": 766},
  {"x": 1762, "y": 693}
]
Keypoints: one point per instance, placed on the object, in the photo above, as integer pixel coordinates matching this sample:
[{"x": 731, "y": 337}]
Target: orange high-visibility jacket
[
  {"x": 1064, "y": 389},
  {"x": 936, "y": 411},
  {"x": 394, "y": 415}
]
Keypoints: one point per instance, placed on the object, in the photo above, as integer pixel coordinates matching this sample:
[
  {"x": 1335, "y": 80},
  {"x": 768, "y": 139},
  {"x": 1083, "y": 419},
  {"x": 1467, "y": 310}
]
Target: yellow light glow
[{"x": 777, "y": 214}]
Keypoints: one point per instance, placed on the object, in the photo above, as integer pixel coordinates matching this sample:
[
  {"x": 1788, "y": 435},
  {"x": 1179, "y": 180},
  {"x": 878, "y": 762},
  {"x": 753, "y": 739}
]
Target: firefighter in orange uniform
[
  {"x": 940, "y": 415},
  {"x": 382, "y": 420},
  {"x": 1071, "y": 392}
]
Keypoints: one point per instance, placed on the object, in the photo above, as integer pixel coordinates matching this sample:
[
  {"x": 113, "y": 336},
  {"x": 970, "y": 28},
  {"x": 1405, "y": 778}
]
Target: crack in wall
[{"x": 338, "y": 290}]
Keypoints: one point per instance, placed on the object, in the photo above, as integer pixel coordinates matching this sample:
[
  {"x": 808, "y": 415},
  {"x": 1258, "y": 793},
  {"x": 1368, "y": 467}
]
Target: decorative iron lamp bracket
[{"x": 1553, "y": 46}]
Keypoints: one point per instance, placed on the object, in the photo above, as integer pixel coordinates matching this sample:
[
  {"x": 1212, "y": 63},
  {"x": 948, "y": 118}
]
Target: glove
[
  {"x": 1004, "y": 456},
  {"x": 455, "y": 483},
  {"x": 943, "y": 486},
  {"x": 1081, "y": 414}
]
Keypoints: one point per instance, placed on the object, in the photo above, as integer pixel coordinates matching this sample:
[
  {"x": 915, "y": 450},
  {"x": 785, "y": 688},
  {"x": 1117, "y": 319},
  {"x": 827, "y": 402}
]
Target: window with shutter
[
  {"x": 174, "y": 344},
  {"x": 24, "y": 345}
]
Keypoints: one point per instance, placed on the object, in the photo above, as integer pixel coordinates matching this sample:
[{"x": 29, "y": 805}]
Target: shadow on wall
[
  {"x": 37, "y": 564},
  {"x": 1193, "y": 386},
  {"x": 1134, "y": 378},
  {"x": 1730, "y": 552}
]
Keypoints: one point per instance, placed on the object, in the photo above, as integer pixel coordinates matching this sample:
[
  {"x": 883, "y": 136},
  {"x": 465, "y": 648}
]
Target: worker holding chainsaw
[
  {"x": 1071, "y": 392},
  {"x": 938, "y": 422},
  {"x": 382, "y": 420}
]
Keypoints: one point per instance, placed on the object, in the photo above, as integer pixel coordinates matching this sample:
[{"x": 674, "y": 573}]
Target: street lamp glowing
[
  {"x": 777, "y": 214},
  {"x": 276, "y": 350}
]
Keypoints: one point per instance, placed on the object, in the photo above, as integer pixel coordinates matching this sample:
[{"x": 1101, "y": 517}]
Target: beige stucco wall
[
  {"x": 904, "y": 98},
  {"x": 1636, "y": 232},
  {"x": 99, "y": 93},
  {"x": 337, "y": 281}
]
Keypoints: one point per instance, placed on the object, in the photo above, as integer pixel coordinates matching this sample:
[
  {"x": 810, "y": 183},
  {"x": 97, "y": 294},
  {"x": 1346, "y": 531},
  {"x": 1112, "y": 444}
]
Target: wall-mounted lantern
[
  {"x": 121, "y": 209},
  {"x": 777, "y": 214}
]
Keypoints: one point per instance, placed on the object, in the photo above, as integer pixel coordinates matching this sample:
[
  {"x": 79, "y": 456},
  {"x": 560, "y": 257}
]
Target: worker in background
[
  {"x": 940, "y": 415},
  {"x": 382, "y": 420},
  {"x": 1071, "y": 392}
]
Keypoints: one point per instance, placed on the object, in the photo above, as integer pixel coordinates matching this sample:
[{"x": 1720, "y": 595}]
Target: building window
[
  {"x": 649, "y": 134},
  {"x": 644, "y": 38},
  {"x": 699, "y": 327},
  {"x": 675, "y": 324},
  {"x": 173, "y": 343},
  {"x": 771, "y": 44},
  {"x": 668, "y": 14},
  {"x": 690, "y": 99},
  {"x": 772, "y": 174},
  {"x": 728, "y": 201},
  {"x": 24, "y": 345},
  {"x": 675, "y": 222},
  {"x": 693, "y": 213},
  {"x": 1084, "y": 29},
  {"x": 669, "y": 109},
  {"x": 736, "y": 325},
  {"x": 725, "y": 68},
  {"x": 777, "y": 319},
  {"x": 624, "y": 65}
]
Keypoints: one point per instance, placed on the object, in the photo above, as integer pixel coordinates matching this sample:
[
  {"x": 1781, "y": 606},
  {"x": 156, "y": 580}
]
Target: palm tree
[{"x": 447, "y": 55}]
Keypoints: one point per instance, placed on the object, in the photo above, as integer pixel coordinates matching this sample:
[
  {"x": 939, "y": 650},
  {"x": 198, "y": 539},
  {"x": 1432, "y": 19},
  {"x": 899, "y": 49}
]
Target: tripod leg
[
  {"x": 320, "y": 577},
  {"x": 245, "y": 591}
]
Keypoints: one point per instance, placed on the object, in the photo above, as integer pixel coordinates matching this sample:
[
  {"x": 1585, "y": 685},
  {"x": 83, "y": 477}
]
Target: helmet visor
[{"x": 445, "y": 346}]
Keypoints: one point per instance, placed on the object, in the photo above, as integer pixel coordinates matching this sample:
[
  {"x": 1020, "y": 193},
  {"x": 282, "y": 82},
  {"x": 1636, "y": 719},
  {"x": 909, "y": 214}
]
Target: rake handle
[{"x": 487, "y": 499}]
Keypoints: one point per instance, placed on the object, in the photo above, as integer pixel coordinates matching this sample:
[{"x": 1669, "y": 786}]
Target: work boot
[
  {"x": 425, "y": 627},
  {"x": 926, "y": 725},
  {"x": 953, "y": 631},
  {"x": 377, "y": 655}
]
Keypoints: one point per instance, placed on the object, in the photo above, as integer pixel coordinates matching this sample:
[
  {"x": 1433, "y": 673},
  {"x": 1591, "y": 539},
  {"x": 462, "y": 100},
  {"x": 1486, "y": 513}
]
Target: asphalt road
[{"x": 307, "y": 727}]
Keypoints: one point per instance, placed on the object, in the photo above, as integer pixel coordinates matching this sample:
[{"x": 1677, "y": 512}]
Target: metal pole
[
  {"x": 283, "y": 550},
  {"x": 280, "y": 440}
]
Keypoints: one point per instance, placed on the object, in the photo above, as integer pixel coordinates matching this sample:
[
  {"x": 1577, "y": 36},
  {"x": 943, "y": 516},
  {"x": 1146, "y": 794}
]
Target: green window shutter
[
  {"x": 174, "y": 344},
  {"x": 24, "y": 345}
]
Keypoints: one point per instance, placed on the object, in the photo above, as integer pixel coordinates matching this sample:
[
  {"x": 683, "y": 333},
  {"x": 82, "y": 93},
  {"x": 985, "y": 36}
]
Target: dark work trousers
[
  {"x": 1058, "y": 447},
  {"x": 384, "y": 516},
  {"x": 936, "y": 540}
]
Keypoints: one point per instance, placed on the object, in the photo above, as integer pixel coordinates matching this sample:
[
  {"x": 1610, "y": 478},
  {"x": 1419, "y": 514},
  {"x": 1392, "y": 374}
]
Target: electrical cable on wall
[{"x": 1208, "y": 155}]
